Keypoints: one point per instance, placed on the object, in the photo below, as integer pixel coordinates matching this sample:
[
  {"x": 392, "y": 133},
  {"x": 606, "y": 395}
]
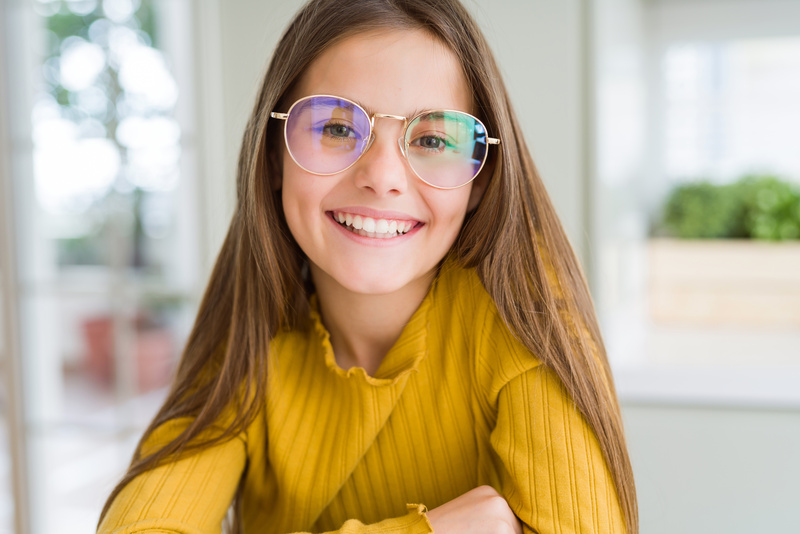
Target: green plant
[
  {"x": 703, "y": 210},
  {"x": 772, "y": 208},
  {"x": 757, "y": 207}
]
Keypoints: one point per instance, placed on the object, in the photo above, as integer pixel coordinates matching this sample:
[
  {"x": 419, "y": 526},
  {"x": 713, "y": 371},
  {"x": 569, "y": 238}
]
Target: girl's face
[{"x": 391, "y": 72}]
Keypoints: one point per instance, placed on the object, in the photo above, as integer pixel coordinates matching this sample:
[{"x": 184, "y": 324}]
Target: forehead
[{"x": 400, "y": 72}]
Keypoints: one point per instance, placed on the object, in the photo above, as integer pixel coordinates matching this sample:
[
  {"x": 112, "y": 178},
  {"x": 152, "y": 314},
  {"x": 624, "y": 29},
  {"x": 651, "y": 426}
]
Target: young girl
[{"x": 396, "y": 336}]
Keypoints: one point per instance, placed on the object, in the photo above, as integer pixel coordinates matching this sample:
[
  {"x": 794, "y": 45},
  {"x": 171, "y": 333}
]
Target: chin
[
  {"x": 374, "y": 278},
  {"x": 374, "y": 285}
]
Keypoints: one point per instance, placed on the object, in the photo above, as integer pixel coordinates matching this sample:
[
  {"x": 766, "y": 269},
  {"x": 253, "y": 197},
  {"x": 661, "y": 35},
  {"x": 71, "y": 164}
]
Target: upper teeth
[{"x": 373, "y": 227}]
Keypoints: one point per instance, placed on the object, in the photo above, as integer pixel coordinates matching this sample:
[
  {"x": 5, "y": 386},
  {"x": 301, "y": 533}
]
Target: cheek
[
  {"x": 450, "y": 208},
  {"x": 303, "y": 196},
  {"x": 295, "y": 199}
]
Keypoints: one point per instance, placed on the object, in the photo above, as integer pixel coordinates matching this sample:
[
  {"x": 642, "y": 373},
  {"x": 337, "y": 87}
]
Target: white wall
[
  {"x": 706, "y": 470},
  {"x": 538, "y": 45},
  {"x": 702, "y": 470},
  {"x": 616, "y": 119},
  {"x": 234, "y": 40}
]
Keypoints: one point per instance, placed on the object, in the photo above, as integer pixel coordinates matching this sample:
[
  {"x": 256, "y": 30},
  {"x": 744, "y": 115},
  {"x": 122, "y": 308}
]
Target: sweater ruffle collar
[{"x": 405, "y": 356}]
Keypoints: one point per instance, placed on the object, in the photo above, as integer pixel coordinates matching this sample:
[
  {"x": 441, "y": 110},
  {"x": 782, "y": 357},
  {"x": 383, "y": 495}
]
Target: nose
[{"x": 383, "y": 168}]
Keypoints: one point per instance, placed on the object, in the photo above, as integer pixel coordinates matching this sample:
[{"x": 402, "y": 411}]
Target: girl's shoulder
[{"x": 496, "y": 354}]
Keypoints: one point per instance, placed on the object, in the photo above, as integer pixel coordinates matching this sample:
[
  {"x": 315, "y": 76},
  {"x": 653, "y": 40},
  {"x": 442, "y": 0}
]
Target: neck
[{"x": 364, "y": 327}]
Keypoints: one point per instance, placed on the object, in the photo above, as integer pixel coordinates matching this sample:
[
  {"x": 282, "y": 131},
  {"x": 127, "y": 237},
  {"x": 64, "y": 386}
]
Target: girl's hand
[{"x": 481, "y": 510}]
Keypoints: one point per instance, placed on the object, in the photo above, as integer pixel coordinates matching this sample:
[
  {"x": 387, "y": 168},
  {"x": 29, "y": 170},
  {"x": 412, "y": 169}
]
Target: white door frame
[{"x": 10, "y": 349}]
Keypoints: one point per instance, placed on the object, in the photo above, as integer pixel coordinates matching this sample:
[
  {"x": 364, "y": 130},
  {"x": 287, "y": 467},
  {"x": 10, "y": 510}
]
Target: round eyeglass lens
[
  {"x": 326, "y": 135},
  {"x": 446, "y": 148}
]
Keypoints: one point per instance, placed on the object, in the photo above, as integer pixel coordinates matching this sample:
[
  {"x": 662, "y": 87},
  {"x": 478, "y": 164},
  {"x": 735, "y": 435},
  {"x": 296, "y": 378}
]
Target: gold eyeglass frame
[{"x": 400, "y": 141}]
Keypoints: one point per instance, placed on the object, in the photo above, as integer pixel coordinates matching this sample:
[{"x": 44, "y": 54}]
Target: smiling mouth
[{"x": 375, "y": 228}]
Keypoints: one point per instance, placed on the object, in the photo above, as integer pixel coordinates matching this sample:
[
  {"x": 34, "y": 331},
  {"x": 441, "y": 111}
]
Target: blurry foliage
[
  {"x": 755, "y": 207},
  {"x": 62, "y": 96},
  {"x": 91, "y": 248},
  {"x": 148, "y": 21},
  {"x": 84, "y": 250},
  {"x": 703, "y": 210},
  {"x": 772, "y": 208},
  {"x": 65, "y": 24}
]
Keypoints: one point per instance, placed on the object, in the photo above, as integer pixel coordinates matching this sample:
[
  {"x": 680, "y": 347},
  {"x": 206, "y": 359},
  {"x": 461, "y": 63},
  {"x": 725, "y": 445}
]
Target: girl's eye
[
  {"x": 338, "y": 130},
  {"x": 430, "y": 143},
  {"x": 433, "y": 143}
]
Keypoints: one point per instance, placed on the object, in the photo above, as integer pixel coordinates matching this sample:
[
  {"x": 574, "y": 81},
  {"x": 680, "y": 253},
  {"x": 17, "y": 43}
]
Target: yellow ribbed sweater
[{"x": 456, "y": 403}]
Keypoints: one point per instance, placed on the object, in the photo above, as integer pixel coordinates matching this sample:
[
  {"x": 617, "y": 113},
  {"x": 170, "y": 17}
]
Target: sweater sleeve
[
  {"x": 185, "y": 498},
  {"x": 192, "y": 495},
  {"x": 554, "y": 475},
  {"x": 415, "y": 522}
]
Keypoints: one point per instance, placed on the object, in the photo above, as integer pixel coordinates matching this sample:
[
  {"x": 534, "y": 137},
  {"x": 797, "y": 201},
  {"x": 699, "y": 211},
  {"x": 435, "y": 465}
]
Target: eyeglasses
[{"x": 327, "y": 134}]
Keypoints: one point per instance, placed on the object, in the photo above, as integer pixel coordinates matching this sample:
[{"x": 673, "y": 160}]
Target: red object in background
[{"x": 154, "y": 350}]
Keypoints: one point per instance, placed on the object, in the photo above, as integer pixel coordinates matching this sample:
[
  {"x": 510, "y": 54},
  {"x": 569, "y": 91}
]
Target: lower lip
[{"x": 375, "y": 241}]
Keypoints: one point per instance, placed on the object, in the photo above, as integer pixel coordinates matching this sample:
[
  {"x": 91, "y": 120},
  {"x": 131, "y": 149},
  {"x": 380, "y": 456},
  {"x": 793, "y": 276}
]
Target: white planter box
[{"x": 724, "y": 282}]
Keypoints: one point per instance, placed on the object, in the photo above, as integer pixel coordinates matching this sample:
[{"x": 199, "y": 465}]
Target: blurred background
[{"x": 667, "y": 132}]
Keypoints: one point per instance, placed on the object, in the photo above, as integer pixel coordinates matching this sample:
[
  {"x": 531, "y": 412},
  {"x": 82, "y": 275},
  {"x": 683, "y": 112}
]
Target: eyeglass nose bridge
[{"x": 400, "y": 140}]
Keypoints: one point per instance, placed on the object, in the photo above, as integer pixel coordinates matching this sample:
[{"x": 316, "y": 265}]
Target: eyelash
[
  {"x": 326, "y": 128},
  {"x": 440, "y": 138}
]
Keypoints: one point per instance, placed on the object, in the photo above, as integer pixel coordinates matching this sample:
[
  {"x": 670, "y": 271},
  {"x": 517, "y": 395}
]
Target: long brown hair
[{"x": 256, "y": 288}]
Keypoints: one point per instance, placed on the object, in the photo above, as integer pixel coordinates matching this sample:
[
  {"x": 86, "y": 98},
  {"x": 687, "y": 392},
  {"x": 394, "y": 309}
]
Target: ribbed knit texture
[{"x": 456, "y": 403}]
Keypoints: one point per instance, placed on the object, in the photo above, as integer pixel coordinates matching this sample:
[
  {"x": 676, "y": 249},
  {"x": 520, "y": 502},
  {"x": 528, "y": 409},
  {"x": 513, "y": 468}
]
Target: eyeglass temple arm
[
  {"x": 492, "y": 141},
  {"x": 276, "y": 115}
]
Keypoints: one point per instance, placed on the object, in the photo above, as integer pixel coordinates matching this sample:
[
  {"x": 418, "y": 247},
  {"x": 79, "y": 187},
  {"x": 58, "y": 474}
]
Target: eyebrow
[
  {"x": 436, "y": 114},
  {"x": 440, "y": 114},
  {"x": 418, "y": 111}
]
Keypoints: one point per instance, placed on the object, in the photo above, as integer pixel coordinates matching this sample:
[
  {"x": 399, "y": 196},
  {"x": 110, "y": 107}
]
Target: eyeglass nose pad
[
  {"x": 402, "y": 144},
  {"x": 368, "y": 143}
]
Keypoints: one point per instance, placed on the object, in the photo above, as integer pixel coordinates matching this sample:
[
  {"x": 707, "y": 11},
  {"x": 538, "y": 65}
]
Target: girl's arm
[
  {"x": 188, "y": 496},
  {"x": 555, "y": 477},
  {"x": 192, "y": 495}
]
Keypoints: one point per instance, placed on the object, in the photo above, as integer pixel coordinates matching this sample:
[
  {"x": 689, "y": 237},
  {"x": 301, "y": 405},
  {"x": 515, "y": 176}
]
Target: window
[
  {"x": 731, "y": 108},
  {"x": 106, "y": 242},
  {"x": 703, "y": 95}
]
